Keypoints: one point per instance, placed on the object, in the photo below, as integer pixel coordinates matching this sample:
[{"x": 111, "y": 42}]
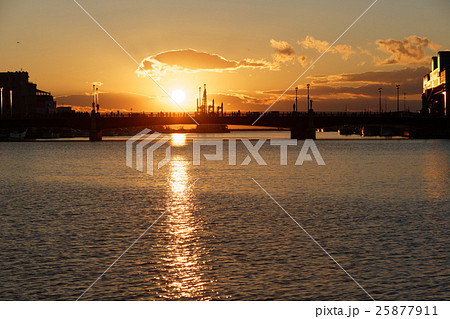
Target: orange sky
[{"x": 247, "y": 52}]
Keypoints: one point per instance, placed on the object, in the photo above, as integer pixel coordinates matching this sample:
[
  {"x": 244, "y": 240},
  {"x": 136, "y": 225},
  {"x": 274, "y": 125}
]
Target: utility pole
[
  {"x": 398, "y": 95},
  {"x": 404, "y": 101},
  {"x": 307, "y": 86},
  {"x": 379, "y": 108},
  {"x": 296, "y": 105}
]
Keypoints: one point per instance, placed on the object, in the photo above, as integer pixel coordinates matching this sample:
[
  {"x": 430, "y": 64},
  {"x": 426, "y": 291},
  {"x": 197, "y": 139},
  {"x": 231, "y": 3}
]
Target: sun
[{"x": 178, "y": 96}]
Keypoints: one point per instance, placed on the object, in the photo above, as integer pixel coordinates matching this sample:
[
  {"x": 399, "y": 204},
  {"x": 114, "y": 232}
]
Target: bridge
[{"x": 301, "y": 124}]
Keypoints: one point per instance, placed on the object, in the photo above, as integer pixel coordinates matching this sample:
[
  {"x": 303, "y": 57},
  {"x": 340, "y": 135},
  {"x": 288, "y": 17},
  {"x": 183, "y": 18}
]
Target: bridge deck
[{"x": 272, "y": 119}]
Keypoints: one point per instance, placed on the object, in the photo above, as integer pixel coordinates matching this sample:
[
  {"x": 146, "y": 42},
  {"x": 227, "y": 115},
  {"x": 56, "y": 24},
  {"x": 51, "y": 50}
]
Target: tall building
[
  {"x": 434, "y": 97},
  {"x": 20, "y": 98}
]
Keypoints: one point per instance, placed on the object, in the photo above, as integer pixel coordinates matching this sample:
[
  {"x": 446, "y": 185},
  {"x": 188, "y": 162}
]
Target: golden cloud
[
  {"x": 284, "y": 52},
  {"x": 409, "y": 51},
  {"x": 320, "y": 46},
  {"x": 191, "y": 61}
]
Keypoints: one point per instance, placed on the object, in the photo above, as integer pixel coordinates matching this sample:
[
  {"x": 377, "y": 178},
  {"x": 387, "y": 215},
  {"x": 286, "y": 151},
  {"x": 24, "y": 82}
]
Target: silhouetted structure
[
  {"x": 202, "y": 104},
  {"x": 95, "y": 134},
  {"x": 379, "y": 107},
  {"x": 302, "y": 124},
  {"x": 19, "y": 97},
  {"x": 434, "y": 96}
]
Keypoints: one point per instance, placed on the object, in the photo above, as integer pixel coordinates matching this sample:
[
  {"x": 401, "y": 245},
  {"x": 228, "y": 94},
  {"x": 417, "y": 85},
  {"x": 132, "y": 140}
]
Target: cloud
[
  {"x": 234, "y": 101},
  {"x": 190, "y": 61},
  {"x": 255, "y": 64},
  {"x": 320, "y": 46},
  {"x": 302, "y": 60},
  {"x": 359, "y": 90},
  {"x": 325, "y": 92},
  {"x": 409, "y": 51},
  {"x": 96, "y": 83},
  {"x": 284, "y": 52},
  {"x": 381, "y": 77},
  {"x": 121, "y": 101},
  {"x": 311, "y": 43},
  {"x": 335, "y": 98},
  {"x": 344, "y": 50},
  {"x": 424, "y": 42},
  {"x": 125, "y": 101}
]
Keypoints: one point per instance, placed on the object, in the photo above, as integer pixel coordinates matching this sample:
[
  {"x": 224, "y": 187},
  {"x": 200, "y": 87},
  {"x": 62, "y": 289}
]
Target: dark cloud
[
  {"x": 109, "y": 101},
  {"x": 381, "y": 77},
  {"x": 360, "y": 90},
  {"x": 332, "y": 98},
  {"x": 323, "y": 92}
]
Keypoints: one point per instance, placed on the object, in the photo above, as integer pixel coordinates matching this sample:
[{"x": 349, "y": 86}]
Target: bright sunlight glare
[
  {"x": 178, "y": 96},
  {"x": 178, "y": 139}
]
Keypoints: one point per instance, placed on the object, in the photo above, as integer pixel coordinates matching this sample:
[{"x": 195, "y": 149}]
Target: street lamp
[
  {"x": 1, "y": 103},
  {"x": 307, "y": 86},
  {"x": 379, "y": 108},
  {"x": 10, "y": 103},
  {"x": 296, "y": 106},
  {"x": 398, "y": 92},
  {"x": 404, "y": 101}
]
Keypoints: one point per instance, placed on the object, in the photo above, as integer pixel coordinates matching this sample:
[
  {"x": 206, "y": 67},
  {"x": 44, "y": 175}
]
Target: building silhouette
[
  {"x": 434, "y": 97},
  {"x": 21, "y": 98}
]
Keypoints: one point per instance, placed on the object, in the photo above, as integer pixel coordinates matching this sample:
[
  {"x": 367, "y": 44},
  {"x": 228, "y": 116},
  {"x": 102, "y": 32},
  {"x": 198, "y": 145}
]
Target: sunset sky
[{"x": 247, "y": 52}]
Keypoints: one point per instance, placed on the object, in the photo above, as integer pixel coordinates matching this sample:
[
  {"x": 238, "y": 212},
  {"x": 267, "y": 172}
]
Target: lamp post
[
  {"x": 1, "y": 103},
  {"x": 379, "y": 107},
  {"x": 307, "y": 86},
  {"x": 93, "y": 99},
  {"x": 96, "y": 94},
  {"x": 404, "y": 101},
  {"x": 10, "y": 103},
  {"x": 296, "y": 105},
  {"x": 398, "y": 95}
]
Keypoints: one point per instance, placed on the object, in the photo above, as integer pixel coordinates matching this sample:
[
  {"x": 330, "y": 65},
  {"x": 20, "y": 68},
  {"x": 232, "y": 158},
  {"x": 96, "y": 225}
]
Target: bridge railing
[
  {"x": 277, "y": 114},
  {"x": 257, "y": 114}
]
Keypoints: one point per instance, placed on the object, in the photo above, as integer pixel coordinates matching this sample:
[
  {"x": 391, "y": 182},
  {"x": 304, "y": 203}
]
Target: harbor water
[{"x": 379, "y": 207}]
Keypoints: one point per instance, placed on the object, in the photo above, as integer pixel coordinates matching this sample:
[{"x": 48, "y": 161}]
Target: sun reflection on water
[
  {"x": 182, "y": 265},
  {"x": 178, "y": 139},
  {"x": 435, "y": 175}
]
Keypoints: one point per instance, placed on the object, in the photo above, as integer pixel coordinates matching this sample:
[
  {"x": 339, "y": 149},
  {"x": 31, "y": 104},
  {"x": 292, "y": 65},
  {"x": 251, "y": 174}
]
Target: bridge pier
[
  {"x": 95, "y": 134},
  {"x": 430, "y": 133},
  {"x": 305, "y": 131}
]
